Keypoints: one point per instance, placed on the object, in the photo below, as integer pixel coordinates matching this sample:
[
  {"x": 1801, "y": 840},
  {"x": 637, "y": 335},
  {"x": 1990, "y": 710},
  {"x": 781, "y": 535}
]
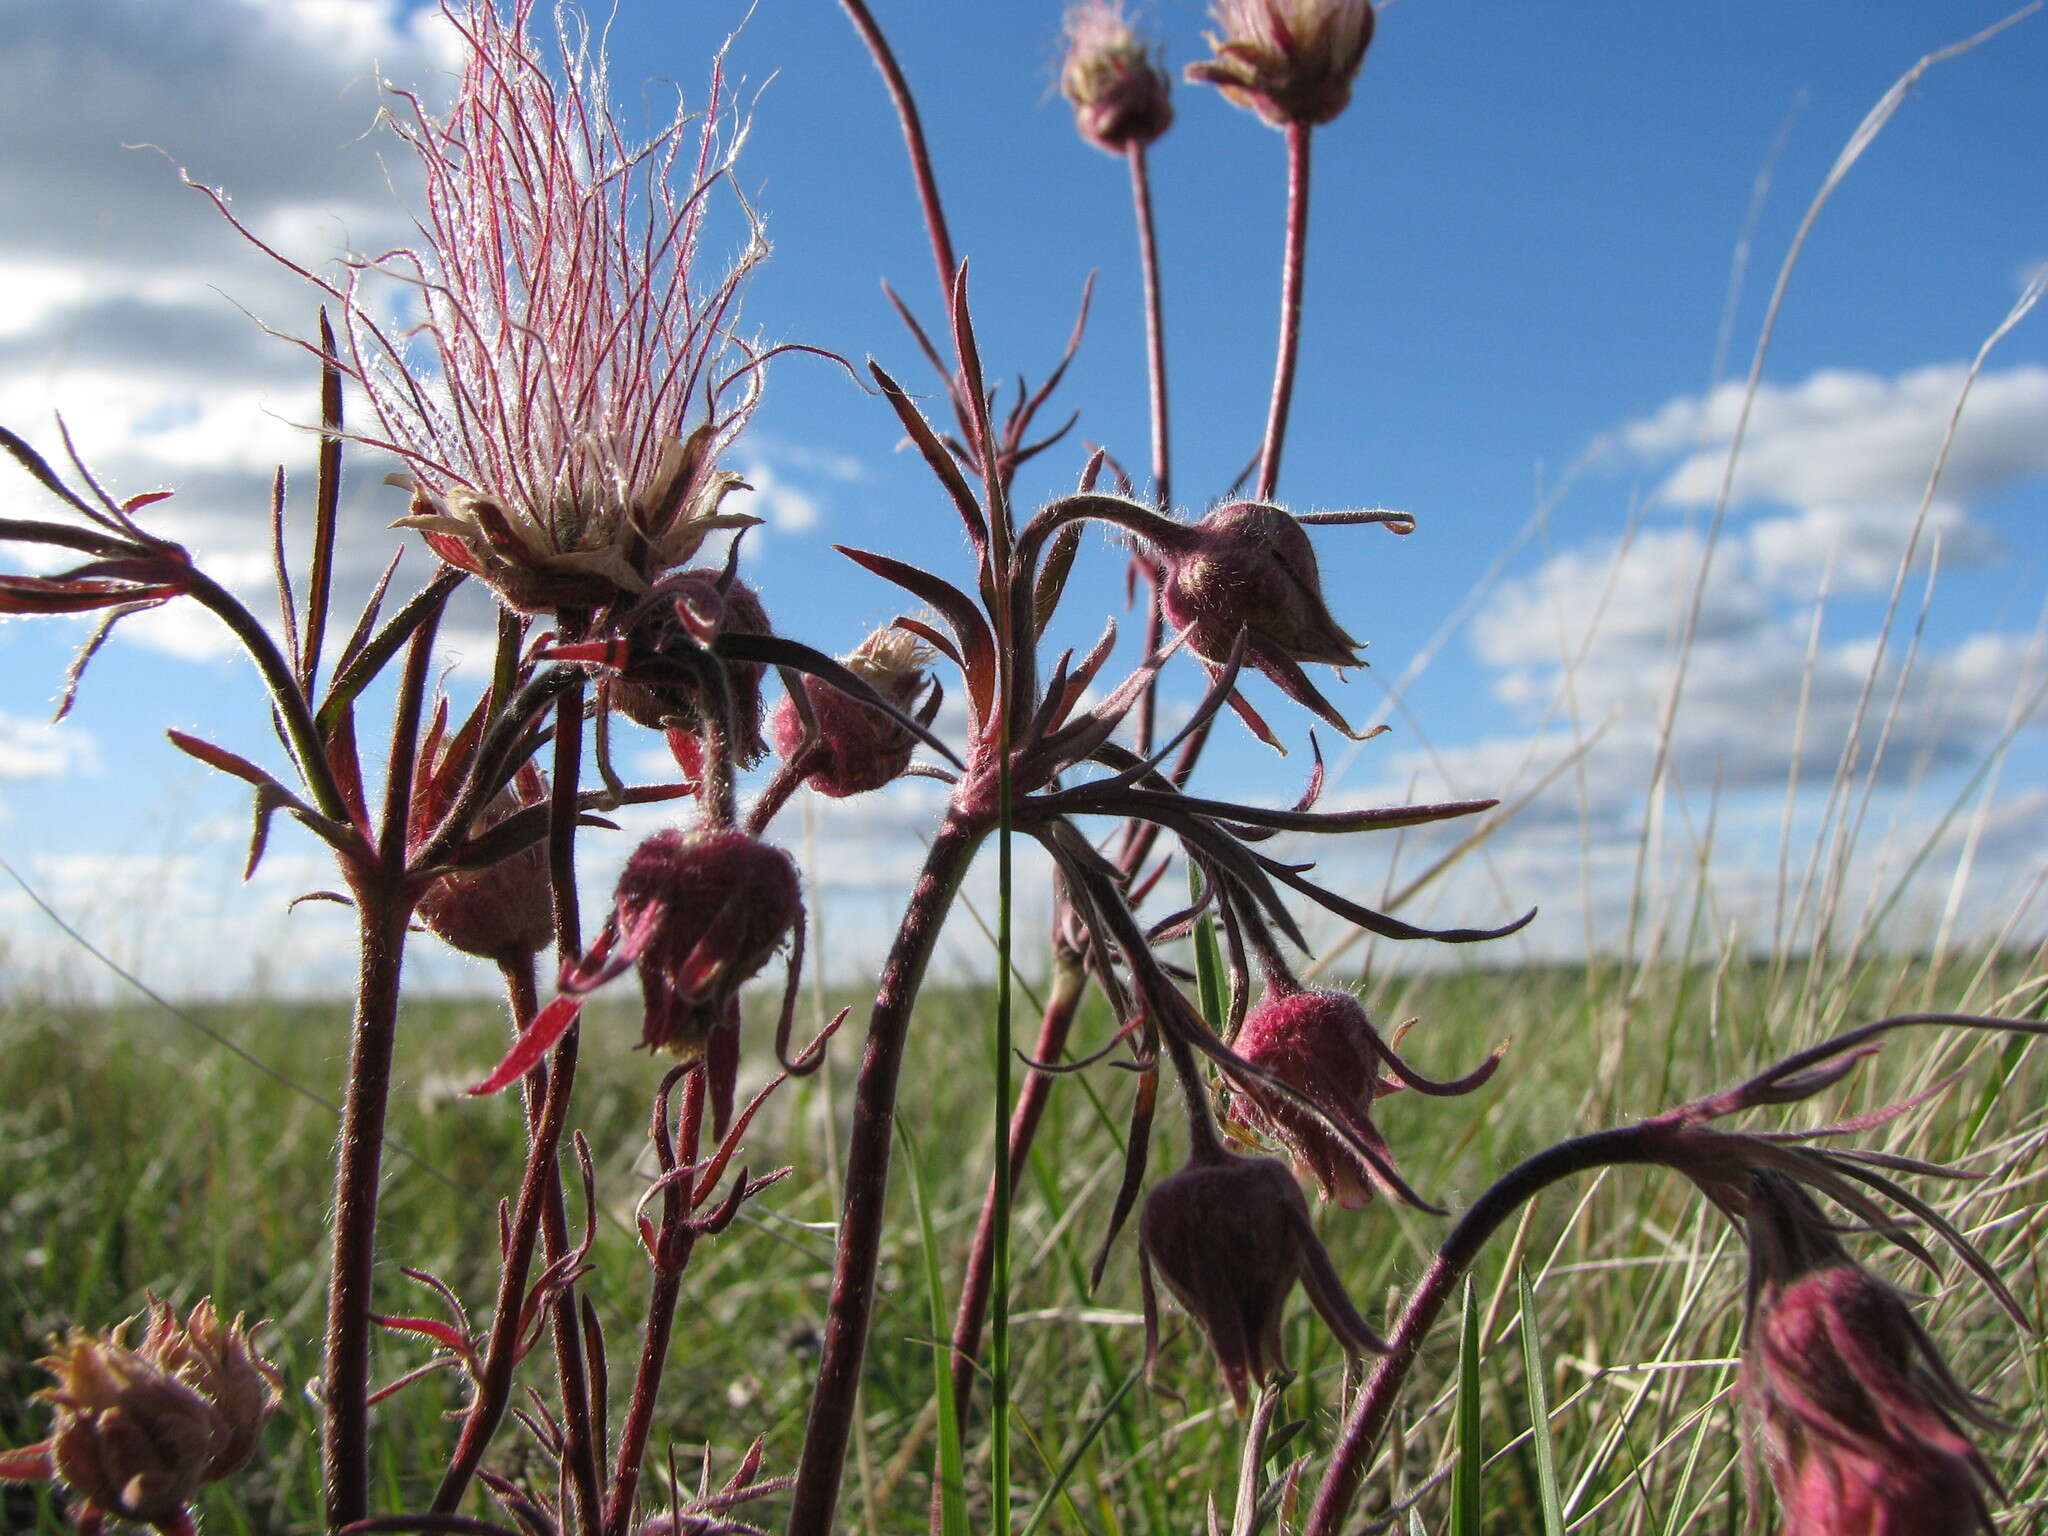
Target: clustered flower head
[
  {"x": 1122, "y": 98},
  {"x": 1290, "y": 61},
  {"x": 1323, "y": 1046},
  {"x": 563, "y": 429},
  {"x": 856, "y": 748},
  {"x": 1230, "y": 1236},
  {"x": 139, "y": 1430},
  {"x": 1856, "y": 1412}
]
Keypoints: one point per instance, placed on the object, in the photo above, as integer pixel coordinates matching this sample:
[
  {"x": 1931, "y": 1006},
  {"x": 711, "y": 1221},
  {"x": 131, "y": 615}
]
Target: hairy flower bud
[
  {"x": 503, "y": 911},
  {"x": 703, "y": 911},
  {"x": 131, "y": 1439},
  {"x": 1121, "y": 97},
  {"x": 1856, "y": 1411},
  {"x": 1323, "y": 1046},
  {"x": 1248, "y": 569},
  {"x": 219, "y": 1362},
  {"x": 662, "y": 683},
  {"x": 1230, "y": 1236},
  {"x": 1290, "y": 61},
  {"x": 857, "y": 748}
]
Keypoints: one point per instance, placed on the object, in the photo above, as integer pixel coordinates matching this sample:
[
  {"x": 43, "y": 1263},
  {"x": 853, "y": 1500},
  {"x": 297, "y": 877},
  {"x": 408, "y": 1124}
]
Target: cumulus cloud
[{"x": 37, "y": 749}]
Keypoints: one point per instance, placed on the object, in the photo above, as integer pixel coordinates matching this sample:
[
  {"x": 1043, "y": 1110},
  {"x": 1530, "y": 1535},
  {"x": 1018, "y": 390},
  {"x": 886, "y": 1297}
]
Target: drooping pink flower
[
  {"x": 1230, "y": 1236},
  {"x": 1290, "y": 61},
  {"x": 1323, "y": 1046},
  {"x": 571, "y": 378},
  {"x": 856, "y": 748},
  {"x": 1857, "y": 1416}
]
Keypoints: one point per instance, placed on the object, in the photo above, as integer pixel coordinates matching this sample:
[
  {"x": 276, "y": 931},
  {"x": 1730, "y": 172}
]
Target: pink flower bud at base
[
  {"x": 505, "y": 910},
  {"x": 857, "y": 748},
  {"x": 1248, "y": 567},
  {"x": 1122, "y": 98}
]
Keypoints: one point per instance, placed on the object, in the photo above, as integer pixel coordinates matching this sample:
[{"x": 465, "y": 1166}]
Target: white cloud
[{"x": 38, "y": 749}]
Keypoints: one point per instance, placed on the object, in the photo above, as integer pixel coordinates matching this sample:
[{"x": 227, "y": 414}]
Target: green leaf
[
  {"x": 1536, "y": 1383},
  {"x": 952, "y": 1469},
  {"x": 1466, "y": 1511}
]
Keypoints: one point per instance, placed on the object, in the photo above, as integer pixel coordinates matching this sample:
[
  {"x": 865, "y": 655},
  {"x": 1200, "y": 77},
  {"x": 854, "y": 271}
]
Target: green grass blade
[
  {"x": 1208, "y": 962},
  {"x": 999, "y": 1284},
  {"x": 1466, "y": 1511},
  {"x": 1072, "y": 1460},
  {"x": 1537, "y": 1385},
  {"x": 952, "y": 1469}
]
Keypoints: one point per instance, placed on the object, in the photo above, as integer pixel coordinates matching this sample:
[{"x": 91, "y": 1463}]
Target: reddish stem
[
  {"x": 1293, "y": 263},
  {"x": 862, "y": 1216},
  {"x": 579, "y": 1454},
  {"x": 384, "y": 906},
  {"x": 661, "y": 1315},
  {"x": 1375, "y": 1405},
  {"x": 914, "y": 142},
  {"x": 548, "y": 1109},
  {"x": 1155, "y": 326}
]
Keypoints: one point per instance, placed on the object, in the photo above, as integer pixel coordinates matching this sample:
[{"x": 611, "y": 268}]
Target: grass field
[{"x": 137, "y": 1157}]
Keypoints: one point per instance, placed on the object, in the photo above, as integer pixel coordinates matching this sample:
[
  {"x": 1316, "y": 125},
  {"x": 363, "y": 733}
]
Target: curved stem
[
  {"x": 1368, "y": 1420},
  {"x": 914, "y": 142},
  {"x": 867, "y": 1178},
  {"x": 1155, "y": 325},
  {"x": 1293, "y": 263}
]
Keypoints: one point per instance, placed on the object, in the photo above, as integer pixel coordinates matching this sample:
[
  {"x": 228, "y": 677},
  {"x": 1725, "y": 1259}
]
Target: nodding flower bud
[
  {"x": 856, "y": 748},
  {"x": 703, "y": 911},
  {"x": 218, "y": 1361},
  {"x": 663, "y": 684},
  {"x": 1248, "y": 569},
  {"x": 138, "y": 1431},
  {"x": 1290, "y": 61},
  {"x": 1856, "y": 1411},
  {"x": 1122, "y": 98},
  {"x": 1323, "y": 1046},
  {"x": 503, "y": 911},
  {"x": 1230, "y": 1236}
]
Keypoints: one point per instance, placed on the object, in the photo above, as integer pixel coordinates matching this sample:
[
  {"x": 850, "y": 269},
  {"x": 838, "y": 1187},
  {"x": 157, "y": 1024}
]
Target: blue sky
[{"x": 1523, "y": 236}]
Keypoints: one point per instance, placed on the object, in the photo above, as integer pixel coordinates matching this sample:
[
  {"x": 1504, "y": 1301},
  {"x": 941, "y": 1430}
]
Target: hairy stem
[
  {"x": 1375, "y": 1405},
  {"x": 1291, "y": 271},
  {"x": 660, "y": 1324},
  {"x": 913, "y": 140},
  {"x": 867, "y": 1177},
  {"x": 381, "y": 917},
  {"x": 579, "y": 1453},
  {"x": 547, "y": 1110},
  {"x": 384, "y": 903},
  {"x": 1155, "y": 325}
]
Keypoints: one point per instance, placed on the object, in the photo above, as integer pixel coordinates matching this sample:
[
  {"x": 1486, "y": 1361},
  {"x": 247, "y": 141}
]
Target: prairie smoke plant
[
  {"x": 1854, "y": 1410},
  {"x": 572, "y": 378},
  {"x": 1290, "y": 61},
  {"x": 1121, "y": 97},
  {"x": 140, "y": 1430},
  {"x": 1323, "y": 1046},
  {"x": 1229, "y": 1236},
  {"x": 847, "y": 748}
]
